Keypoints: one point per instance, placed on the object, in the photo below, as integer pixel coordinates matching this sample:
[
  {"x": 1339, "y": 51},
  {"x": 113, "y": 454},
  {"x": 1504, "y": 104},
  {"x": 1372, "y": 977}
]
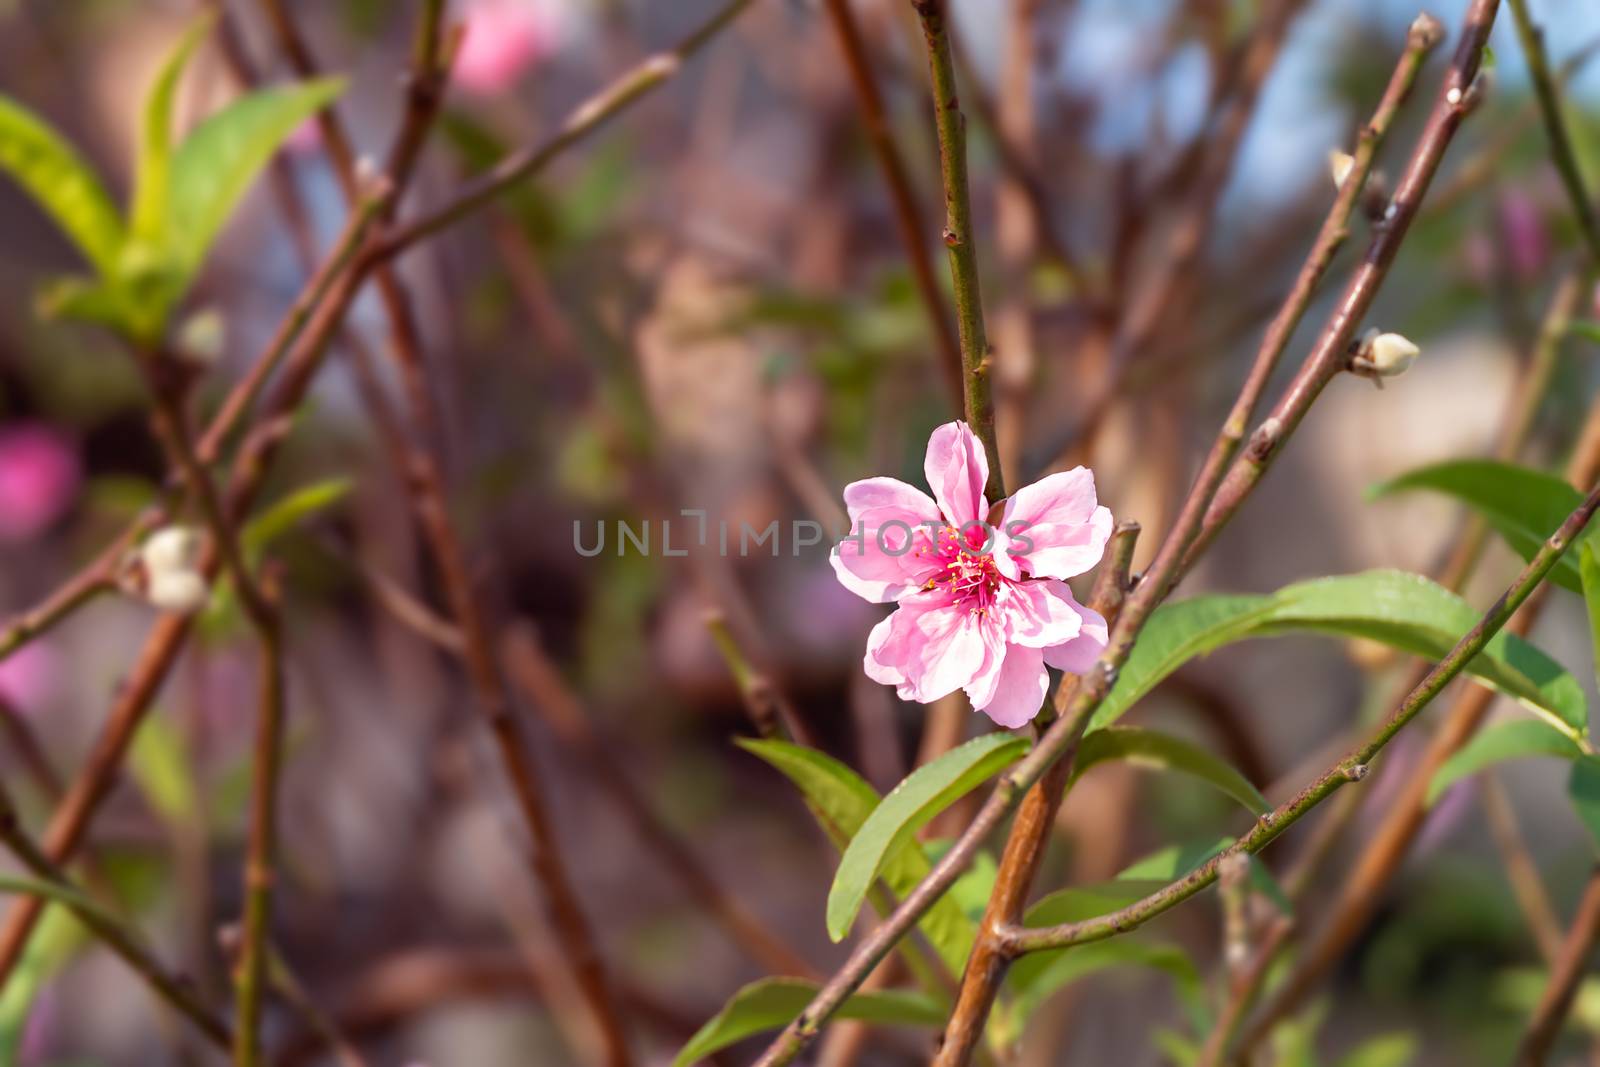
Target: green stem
[{"x": 951, "y": 126}]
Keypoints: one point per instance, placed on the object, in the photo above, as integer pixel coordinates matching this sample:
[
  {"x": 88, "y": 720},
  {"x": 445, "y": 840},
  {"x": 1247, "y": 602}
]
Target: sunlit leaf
[
  {"x": 1385, "y": 1050},
  {"x": 841, "y": 800},
  {"x": 772, "y": 1003},
  {"x": 61, "y": 183},
  {"x": 147, "y": 219},
  {"x": 923, "y": 794},
  {"x": 220, "y": 159},
  {"x": 291, "y": 510},
  {"x": 1164, "y": 752},
  {"x": 1404, "y": 611},
  {"x": 1523, "y": 506},
  {"x": 1503, "y": 741}
]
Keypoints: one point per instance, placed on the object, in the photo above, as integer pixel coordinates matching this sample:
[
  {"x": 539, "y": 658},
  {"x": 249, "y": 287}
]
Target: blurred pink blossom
[
  {"x": 41, "y": 1025},
  {"x": 1523, "y": 230},
  {"x": 30, "y": 676},
  {"x": 980, "y": 608},
  {"x": 503, "y": 39},
  {"x": 39, "y": 476}
]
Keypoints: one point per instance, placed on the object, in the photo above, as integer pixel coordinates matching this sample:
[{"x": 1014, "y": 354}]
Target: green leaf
[
  {"x": 1583, "y": 789},
  {"x": 1589, "y": 573},
  {"x": 773, "y": 1003},
  {"x": 1523, "y": 506},
  {"x": 924, "y": 793},
  {"x": 1385, "y": 1050},
  {"x": 1520, "y": 989},
  {"x": 61, "y": 183},
  {"x": 289, "y": 511},
  {"x": 149, "y": 214},
  {"x": 842, "y": 801},
  {"x": 1585, "y": 328},
  {"x": 1513, "y": 739},
  {"x": 1153, "y": 749},
  {"x": 220, "y": 159},
  {"x": 1404, "y": 611}
]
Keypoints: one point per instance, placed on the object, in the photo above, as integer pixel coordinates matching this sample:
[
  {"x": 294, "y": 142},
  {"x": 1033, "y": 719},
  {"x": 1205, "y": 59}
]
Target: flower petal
[
  {"x": 957, "y": 471},
  {"x": 1056, "y": 528},
  {"x": 893, "y": 555},
  {"x": 1040, "y": 613},
  {"x": 1020, "y": 688},
  {"x": 980, "y": 690},
  {"x": 1078, "y": 655},
  {"x": 929, "y": 647}
]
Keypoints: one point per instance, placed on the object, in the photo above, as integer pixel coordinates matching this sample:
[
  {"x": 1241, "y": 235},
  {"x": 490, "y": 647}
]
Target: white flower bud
[
  {"x": 1384, "y": 355},
  {"x": 171, "y": 548},
  {"x": 180, "y": 591},
  {"x": 1339, "y": 164},
  {"x": 202, "y": 337}
]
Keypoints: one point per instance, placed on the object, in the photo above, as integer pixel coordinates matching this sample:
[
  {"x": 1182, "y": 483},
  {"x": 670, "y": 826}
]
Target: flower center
[{"x": 967, "y": 572}]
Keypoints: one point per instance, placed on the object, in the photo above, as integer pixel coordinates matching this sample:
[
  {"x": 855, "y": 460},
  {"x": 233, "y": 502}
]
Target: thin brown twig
[
  {"x": 907, "y": 212},
  {"x": 1565, "y": 976},
  {"x": 173, "y": 989}
]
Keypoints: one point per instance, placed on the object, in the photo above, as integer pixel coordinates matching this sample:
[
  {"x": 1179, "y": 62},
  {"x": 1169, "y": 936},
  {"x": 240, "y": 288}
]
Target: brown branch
[
  {"x": 1024, "y": 849},
  {"x": 907, "y": 213},
  {"x": 1565, "y": 977}
]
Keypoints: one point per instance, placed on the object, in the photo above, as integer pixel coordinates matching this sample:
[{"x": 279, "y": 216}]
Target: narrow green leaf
[
  {"x": 924, "y": 793},
  {"x": 1522, "y": 505},
  {"x": 1509, "y": 740},
  {"x": 148, "y": 217},
  {"x": 1404, "y": 611},
  {"x": 1588, "y": 329},
  {"x": 289, "y": 511},
  {"x": 1163, "y": 752},
  {"x": 842, "y": 801},
  {"x": 772, "y": 1003},
  {"x": 220, "y": 159},
  {"x": 1589, "y": 572},
  {"x": 1583, "y": 789},
  {"x": 58, "y": 179}
]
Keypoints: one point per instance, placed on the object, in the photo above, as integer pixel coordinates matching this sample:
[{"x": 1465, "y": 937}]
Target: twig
[
  {"x": 1565, "y": 976},
  {"x": 261, "y": 856},
  {"x": 907, "y": 213},
  {"x": 1030, "y": 832},
  {"x": 1331, "y": 352},
  {"x": 976, "y": 361},
  {"x": 1352, "y": 768},
  {"x": 176, "y": 991},
  {"x": 584, "y": 119},
  {"x": 1555, "y": 126},
  {"x": 1362, "y": 889},
  {"x": 1521, "y": 871}
]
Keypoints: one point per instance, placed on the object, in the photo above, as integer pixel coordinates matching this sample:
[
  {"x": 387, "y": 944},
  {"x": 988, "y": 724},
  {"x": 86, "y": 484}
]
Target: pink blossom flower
[
  {"x": 502, "y": 39},
  {"x": 1523, "y": 229},
  {"x": 39, "y": 475},
  {"x": 30, "y": 676},
  {"x": 982, "y": 609}
]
